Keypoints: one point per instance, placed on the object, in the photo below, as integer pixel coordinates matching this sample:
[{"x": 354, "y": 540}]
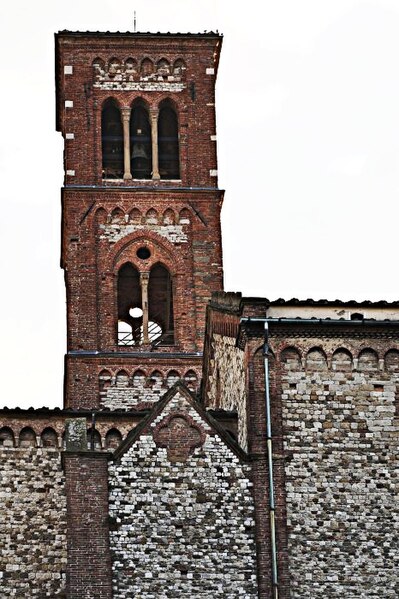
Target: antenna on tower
[{"x": 134, "y": 21}]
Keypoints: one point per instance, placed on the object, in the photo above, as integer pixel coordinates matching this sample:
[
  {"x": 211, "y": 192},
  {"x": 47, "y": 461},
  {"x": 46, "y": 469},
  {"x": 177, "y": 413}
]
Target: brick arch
[
  {"x": 168, "y": 254},
  {"x": 342, "y": 359},
  {"x": 316, "y": 359},
  {"x": 111, "y": 98},
  {"x": 368, "y": 360},
  {"x": 140, "y": 100},
  {"x": 169, "y": 101},
  {"x": 391, "y": 360},
  {"x": 100, "y": 216},
  {"x": 146, "y": 61},
  {"x": 118, "y": 213}
]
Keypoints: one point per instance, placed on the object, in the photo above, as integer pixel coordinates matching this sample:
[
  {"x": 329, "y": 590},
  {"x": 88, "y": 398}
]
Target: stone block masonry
[
  {"x": 182, "y": 513},
  {"x": 32, "y": 524},
  {"x": 341, "y": 441}
]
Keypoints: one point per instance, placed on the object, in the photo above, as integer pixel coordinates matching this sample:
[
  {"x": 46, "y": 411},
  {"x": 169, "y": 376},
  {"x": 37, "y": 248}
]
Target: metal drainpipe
[{"x": 272, "y": 507}]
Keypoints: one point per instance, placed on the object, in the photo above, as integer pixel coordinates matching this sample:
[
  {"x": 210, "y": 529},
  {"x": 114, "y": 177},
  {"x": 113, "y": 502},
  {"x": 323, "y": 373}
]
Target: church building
[{"x": 210, "y": 445}]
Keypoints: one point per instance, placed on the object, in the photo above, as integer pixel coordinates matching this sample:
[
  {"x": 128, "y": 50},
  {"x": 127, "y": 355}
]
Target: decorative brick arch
[{"x": 124, "y": 251}]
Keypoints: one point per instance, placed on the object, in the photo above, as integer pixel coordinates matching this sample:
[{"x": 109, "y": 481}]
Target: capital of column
[
  {"x": 144, "y": 279},
  {"x": 125, "y": 112}
]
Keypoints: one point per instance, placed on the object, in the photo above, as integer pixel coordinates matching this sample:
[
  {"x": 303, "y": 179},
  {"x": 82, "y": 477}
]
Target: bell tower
[{"x": 141, "y": 241}]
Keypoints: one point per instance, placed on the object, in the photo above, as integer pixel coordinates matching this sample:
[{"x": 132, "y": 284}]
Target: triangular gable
[{"x": 178, "y": 389}]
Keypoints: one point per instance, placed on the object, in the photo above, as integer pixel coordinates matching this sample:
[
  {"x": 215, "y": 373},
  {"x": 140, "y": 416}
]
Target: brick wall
[
  {"x": 128, "y": 382},
  {"x": 83, "y": 88},
  {"x": 89, "y": 561}
]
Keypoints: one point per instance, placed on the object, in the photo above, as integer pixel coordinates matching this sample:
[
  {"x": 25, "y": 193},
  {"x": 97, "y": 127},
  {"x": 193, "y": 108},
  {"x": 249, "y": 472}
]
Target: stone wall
[
  {"x": 32, "y": 523},
  {"x": 341, "y": 437},
  {"x": 182, "y": 512},
  {"x": 226, "y": 385}
]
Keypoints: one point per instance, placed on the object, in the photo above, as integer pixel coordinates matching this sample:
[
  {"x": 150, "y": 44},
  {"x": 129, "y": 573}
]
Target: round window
[{"x": 143, "y": 253}]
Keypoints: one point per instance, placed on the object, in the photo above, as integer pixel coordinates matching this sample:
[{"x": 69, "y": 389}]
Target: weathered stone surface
[
  {"x": 227, "y": 381},
  {"x": 75, "y": 434},
  {"x": 341, "y": 481},
  {"x": 181, "y": 527},
  {"x": 32, "y": 523}
]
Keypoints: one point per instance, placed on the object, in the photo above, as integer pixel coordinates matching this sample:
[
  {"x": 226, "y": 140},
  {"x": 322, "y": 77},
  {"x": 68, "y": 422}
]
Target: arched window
[
  {"x": 160, "y": 305},
  {"x": 145, "y": 306},
  {"x": 129, "y": 306},
  {"x": 168, "y": 142},
  {"x": 140, "y": 142},
  {"x": 112, "y": 141}
]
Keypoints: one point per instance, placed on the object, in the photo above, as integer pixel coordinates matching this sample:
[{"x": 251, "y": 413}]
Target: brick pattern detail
[
  {"x": 193, "y": 533},
  {"x": 127, "y": 382},
  {"x": 89, "y": 560},
  {"x": 32, "y": 523}
]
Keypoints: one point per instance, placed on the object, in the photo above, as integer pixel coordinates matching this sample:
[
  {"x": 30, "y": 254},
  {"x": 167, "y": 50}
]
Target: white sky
[{"x": 308, "y": 140}]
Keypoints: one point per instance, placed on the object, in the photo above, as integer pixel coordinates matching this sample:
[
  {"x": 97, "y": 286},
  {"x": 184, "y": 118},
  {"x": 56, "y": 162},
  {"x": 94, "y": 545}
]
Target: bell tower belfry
[{"x": 141, "y": 241}]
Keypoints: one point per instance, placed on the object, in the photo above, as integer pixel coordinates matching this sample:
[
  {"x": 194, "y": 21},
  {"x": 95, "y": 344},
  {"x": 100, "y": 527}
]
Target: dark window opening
[
  {"x": 168, "y": 143},
  {"x": 133, "y": 316},
  {"x": 160, "y": 306},
  {"x": 140, "y": 142},
  {"x": 112, "y": 141},
  {"x": 129, "y": 306},
  {"x": 143, "y": 253}
]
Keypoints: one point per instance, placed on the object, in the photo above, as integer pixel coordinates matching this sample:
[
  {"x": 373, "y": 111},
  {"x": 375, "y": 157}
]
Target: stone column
[
  {"x": 144, "y": 278},
  {"x": 126, "y": 141},
  {"x": 154, "y": 143}
]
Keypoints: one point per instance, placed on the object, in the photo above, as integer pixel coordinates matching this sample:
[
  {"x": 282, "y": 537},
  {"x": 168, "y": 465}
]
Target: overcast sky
[{"x": 308, "y": 141}]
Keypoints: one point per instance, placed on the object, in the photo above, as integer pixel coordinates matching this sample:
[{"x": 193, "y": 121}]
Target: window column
[
  {"x": 126, "y": 141},
  {"x": 144, "y": 278},
  {"x": 154, "y": 141}
]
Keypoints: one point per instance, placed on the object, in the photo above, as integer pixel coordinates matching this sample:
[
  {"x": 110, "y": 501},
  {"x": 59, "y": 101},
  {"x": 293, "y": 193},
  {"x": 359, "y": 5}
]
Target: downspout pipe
[{"x": 269, "y": 444}]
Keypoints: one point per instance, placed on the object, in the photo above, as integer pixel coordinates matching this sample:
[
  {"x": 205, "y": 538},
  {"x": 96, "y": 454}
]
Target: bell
[{"x": 139, "y": 151}]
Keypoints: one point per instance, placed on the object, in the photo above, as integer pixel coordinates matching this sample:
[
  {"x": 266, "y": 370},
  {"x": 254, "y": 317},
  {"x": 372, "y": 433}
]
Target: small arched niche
[
  {"x": 7, "y": 438},
  {"x": 191, "y": 380},
  {"x": 49, "y": 438},
  {"x": 392, "y": 361},
  {"x": 27, "y": 437},
  {"x": 172, "y": 378},
  {"x": 93, "y": 439},
  {"x": 113, "y": 439},
  {"x": 316, "y": 360},
  {"x": 368, "y": 361},
  {"x": 140, "y": 142},
  {"x": 122, "y": 379},
  {"x": 168, "y": 142},
  {"x": 342, "y": 360},
  {"x": 112, "y": 141},
  {"x": 291, "y": 359}
]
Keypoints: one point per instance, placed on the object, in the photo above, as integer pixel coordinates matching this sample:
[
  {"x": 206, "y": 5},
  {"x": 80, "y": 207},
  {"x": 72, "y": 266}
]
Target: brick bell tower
[{"x": 141, "y": 241}]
